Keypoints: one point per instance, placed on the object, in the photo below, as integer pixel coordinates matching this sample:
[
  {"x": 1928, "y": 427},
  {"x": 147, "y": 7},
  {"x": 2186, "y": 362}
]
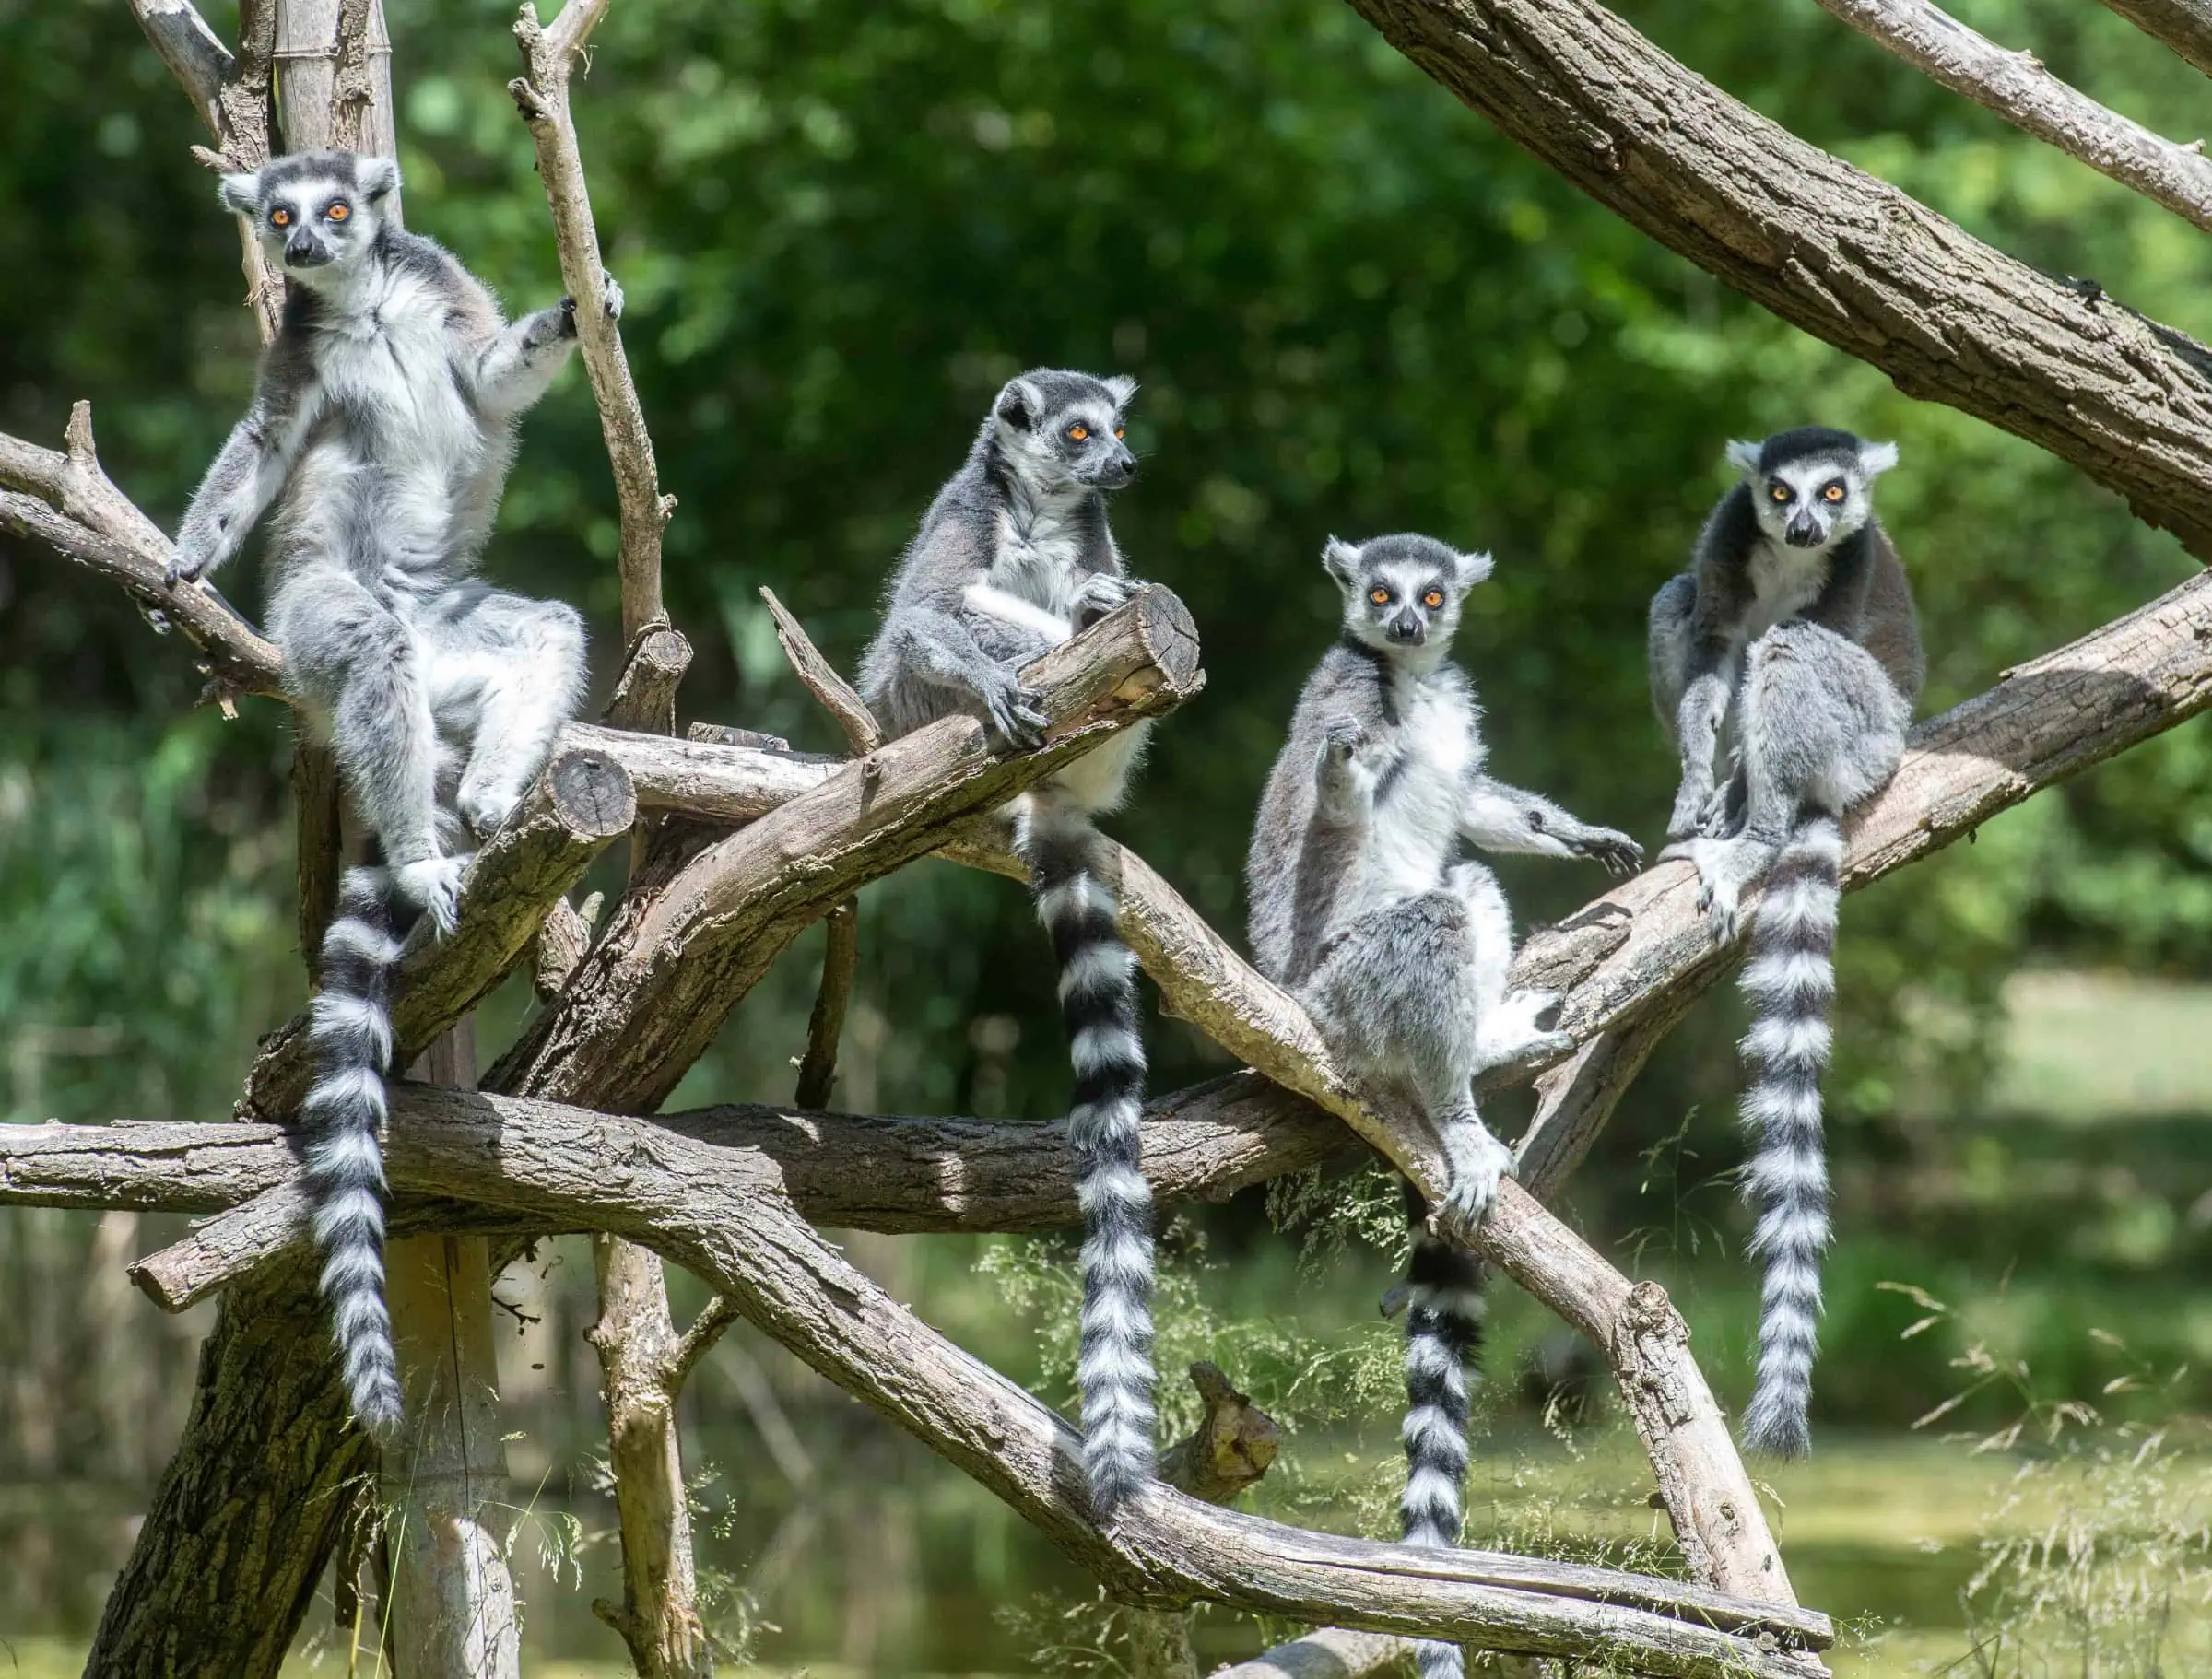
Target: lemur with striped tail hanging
[
  {"x": 381, "y": 428},
  {"x": 1013, "y": 557},
  {"x": 1789, "y": 654},
  {"x": 1362, "y": 907}
]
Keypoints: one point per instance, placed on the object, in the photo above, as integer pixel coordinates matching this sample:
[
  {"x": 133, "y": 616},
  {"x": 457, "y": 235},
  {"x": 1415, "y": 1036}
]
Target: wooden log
[{"x": 580, "y": 805}]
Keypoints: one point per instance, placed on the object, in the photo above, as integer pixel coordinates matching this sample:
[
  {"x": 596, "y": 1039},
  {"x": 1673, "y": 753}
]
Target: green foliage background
[{"x": 1353, "y": 309}]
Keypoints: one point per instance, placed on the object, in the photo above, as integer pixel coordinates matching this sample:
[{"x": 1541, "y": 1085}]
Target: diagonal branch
[
  {"x": 2183, "y": 25},
  {"x": 541, "y": 95},
  {"x": 698, "y": 929},
  {"x": 2018, "y": 89},
  {"x": 1830, "y": 249}
]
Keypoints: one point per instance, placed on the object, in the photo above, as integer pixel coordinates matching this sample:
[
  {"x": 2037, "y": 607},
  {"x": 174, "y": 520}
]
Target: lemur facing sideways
[
  {"x": 1791, "y": 650},
  {"x": 1013, "y": 557},
  {"x": 1361, "y": 907},
  {"x": 383, "y": 424}
]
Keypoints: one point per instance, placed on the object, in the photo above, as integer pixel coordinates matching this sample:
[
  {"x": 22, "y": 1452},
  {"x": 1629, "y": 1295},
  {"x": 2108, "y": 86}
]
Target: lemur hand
[
  {"x": 194, "y": 556},
  {"x": 1016, "y": 716},
  {"x": 610, "y": 299},
  {"x": 1341, "y": 739},
  {"x": 1100, "y": 593},
  {"x": 1479, "y": 1164},
  {"x": 1622, "y": 855},
  {"x": 433, "y": 885}
]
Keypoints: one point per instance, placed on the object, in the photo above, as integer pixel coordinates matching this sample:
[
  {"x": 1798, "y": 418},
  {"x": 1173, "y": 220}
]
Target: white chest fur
[
  {"x": 1040, "y": 550},
  {"x": 1784, "y": 581},
  {"x": 1418, "y": 805},
  {"x": 387, "y": 360}
]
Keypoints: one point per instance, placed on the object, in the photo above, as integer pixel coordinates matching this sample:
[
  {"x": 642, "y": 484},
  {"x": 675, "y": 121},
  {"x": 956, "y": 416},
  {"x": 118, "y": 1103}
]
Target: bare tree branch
[
  {"x": 2183, "y": 25},
  {"x": 847, "y": 1172},
  {"x": 2018, "y": 89},
  {"x": 194, "y": 55},
  {"x": 863, "y": 733},
  {"x": 1331, "y": 1652},
  {"x": 1830, "y": 249},
  {"x": 541, "y": 95},
  {"x": 818, "y": 1070}
]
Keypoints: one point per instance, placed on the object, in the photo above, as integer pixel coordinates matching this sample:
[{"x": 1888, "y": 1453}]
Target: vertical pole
[{"x": 452, "y": 1613}]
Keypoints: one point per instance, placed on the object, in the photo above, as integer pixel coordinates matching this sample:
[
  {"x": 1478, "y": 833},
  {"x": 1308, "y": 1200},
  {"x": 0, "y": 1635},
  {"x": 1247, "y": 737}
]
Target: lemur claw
[
  {"x": 1478, "y": 1168},
  {"x": 610, "y": 295},
  {"x": 1016, "y": 716},
  {"x": 433, "y": 885},
  {"x": 1622, "y": 855}
]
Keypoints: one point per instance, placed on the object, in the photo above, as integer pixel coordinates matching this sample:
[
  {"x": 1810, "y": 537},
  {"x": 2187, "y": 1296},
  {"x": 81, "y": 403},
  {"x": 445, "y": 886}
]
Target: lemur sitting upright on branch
[
  {"x": 1791, "y": 652},
  {"x": 383, "y": 426},
  {"x": 1013, "y": 557},
  {"x": 1361, "y": 906}
]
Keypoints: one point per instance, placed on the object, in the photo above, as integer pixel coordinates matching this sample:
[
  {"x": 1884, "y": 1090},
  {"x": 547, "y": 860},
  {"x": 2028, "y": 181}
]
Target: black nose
[
  {"x": 1409, "y": 628},
  {"x": 299, "y": 249},
  {"x": 1804, "y": 532}
]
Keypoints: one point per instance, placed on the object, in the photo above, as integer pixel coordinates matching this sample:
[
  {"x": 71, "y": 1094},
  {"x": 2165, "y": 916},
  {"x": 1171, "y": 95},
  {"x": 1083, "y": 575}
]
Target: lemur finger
[{"x": 610, "y": 295}]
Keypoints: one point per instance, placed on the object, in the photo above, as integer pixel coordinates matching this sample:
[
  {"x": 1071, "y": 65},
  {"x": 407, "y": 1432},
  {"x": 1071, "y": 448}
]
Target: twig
[
  {"x": 818, "y": 1071},
  {"x": 541, "y": 95},
  {"x": 353, "y": 88},
  {"x": 2183, "y": 25},
  {"x": 863, "y": 733},
  {"x": 2018, "y": 89}
]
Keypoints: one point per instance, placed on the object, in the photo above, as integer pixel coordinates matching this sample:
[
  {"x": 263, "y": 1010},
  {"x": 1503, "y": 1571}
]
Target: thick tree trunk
[{"x": 248, "y": 1511}]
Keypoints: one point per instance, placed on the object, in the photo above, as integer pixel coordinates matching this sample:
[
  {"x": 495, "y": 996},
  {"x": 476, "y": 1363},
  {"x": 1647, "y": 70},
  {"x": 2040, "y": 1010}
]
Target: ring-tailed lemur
[
  {"x": 1790, "y": 649},
  {"x": 383, "y": 424},
  {"x": 1399, "y": 949},
  {"x": 1013, "y": 557}
]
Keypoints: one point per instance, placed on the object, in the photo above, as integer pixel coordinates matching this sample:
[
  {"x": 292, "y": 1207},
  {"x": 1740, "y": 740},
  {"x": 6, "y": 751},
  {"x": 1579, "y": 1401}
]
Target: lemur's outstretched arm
[
  {"x": 518, "y": 365},
  {"x": 245, "y": 478},
  {"x": 1501, "y": 818}
]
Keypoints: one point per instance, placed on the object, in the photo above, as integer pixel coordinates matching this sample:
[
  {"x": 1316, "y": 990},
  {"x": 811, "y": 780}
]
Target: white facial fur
[
  {"x": 330, "y": 218},
  {"x": 1406, "y": 571},
  {"x": 1814, "y": 501}
]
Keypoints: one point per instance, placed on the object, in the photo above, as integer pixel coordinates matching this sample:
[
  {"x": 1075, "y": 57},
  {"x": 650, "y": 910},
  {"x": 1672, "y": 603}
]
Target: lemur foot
[
  {"x": 1017, "y": 717},
  {"x": 486, "y": 808},
  {"x": 433, "y": 887},
  {"x": 1720, "y": 894},
  {"x": 1479, "y": 1164},
  {"x": 1514, "y": 1030},
  {"x": 186, "y": 562},
  {"x": 1101, "y": 592}
]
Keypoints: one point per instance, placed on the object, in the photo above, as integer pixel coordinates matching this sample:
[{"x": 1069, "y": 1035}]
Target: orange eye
[
  {"x": 283, "y": 218},
  {"x": 1379, "y": 596},
  {"x": 1834, "y": 492},
  {"x": 1079, "y": 433},
  {"x": 338, "y": 212},
  {"x": 1121, "y": 431},
  {"x": 1779, "y": 492},
  {"x": 1433, "y": 599}
]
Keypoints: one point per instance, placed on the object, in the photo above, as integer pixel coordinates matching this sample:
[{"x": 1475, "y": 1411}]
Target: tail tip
[
  {"x": 376, "y": 1408},
  {"x": 1778, "y": 1428}
]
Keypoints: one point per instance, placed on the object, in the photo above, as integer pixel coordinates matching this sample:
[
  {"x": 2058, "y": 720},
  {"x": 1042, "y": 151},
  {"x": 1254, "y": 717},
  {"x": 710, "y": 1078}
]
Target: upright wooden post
[{"x": 452, "y": 1613}]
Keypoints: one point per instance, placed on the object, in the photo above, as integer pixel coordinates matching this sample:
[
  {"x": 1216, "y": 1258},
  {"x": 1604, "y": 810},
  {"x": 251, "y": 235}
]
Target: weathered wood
[
  {"x": 820, "y": 678},
  {"x": 1233, "y": 1445},
  {"x": 541, "y": 95},
  {"x": 319, "y": 822},
  {"x": 2183, "y": 25},
  {"x": 848, "y": 1171},
  {"x": 1332, "y": 1652},
  {"x": 644, "y": 698},
  {"x": 841, "y": 954},
  {"x": 659, "y": 985},
  {"x": 704, "y": 779},
  {"x": 642, "y": 1366},
  {"x": 1830, "y": 249},
  {"x": 2017, "y": 88},
  {"x": 242, "y": 1520},
  {"x": 580, "y": 803},
  {"x": 723, "y": 1214}
]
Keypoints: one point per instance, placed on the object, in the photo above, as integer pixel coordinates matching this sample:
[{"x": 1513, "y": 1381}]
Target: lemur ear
[
  {"x": 1341, "y": 559},
  {"x": 241, "y": 195},
  {"x": 1019, "y": 405},
  {"x": 1121, "y": 387},
  {"x": 1473, "y": 569},
  {"x": 379, "y": 176},
  {"x": 1743, "y": 456},
  {"x": 1876, "y": 459}
]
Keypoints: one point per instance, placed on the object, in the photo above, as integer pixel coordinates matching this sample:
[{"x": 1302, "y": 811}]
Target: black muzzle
[
  {"x": 1804, "y": 532},
  {"x": 1407, "y": 629}
]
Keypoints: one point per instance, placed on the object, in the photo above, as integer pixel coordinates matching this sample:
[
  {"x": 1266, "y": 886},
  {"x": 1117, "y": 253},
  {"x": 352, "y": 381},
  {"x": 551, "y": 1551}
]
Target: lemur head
[
  {"x": 1402, "y": 594},
  {"x": 1814, "y": 485},
  {"x": 1059, "y": 430},
  {"x": 316, "y": 212}
]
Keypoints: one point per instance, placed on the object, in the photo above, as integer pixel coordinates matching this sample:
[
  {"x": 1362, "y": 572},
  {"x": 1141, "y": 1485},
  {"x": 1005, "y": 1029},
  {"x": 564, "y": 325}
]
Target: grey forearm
[
  {"x": 1501, "y": 818},
  {"x": 233, "y": 495},
  {"x": 523, "y": 361}
]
